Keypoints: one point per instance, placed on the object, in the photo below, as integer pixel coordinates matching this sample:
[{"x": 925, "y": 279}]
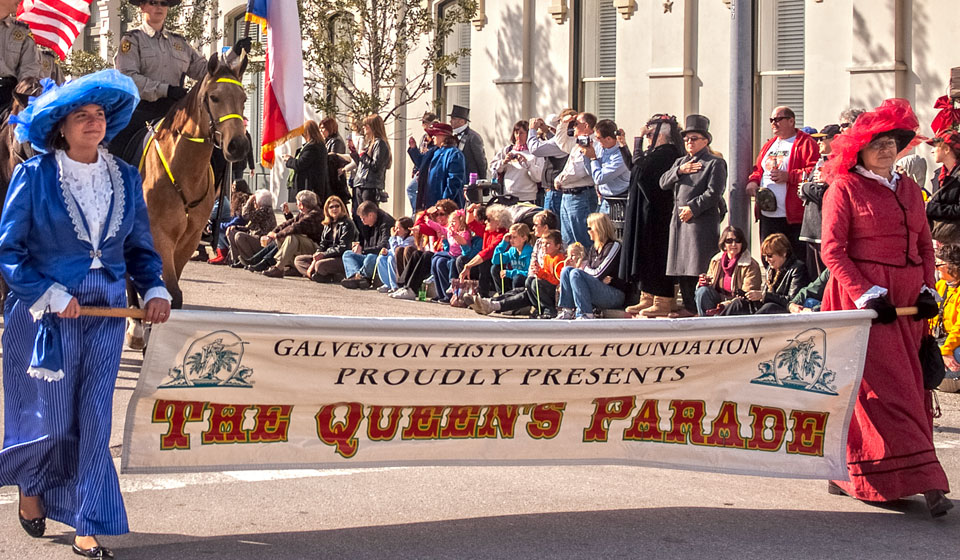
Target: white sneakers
[
  {"x": 484, "y": 306},
  {"x": 564, "y": 315},
  {"x": 404, "y": 293}
]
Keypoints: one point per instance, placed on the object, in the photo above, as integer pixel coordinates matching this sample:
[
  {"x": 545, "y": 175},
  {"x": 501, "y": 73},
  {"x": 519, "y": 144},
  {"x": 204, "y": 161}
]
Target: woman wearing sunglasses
[
  {"x": 732, "y": 273},
  {"x": 785, "y": 276},
  {"x": 157, "y": 59},
  {"x": 877, "y": 245}
]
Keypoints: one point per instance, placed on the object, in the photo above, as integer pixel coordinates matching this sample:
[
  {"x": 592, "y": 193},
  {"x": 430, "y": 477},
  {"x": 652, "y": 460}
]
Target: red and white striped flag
[{"x": 55, "y": 23}]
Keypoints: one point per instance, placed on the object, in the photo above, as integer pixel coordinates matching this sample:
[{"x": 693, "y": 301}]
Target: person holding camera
[
  {"x": 520, "y": 171},
  {"x": 610, "y": 172},
  {"x": 783, "y": 162},
  {"x": 575, "y": 180},
  {"x": 369, "y": 183}
]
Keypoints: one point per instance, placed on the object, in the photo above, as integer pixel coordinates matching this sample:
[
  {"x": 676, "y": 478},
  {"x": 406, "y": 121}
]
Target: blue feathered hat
[{"x": 110, "y": 89}]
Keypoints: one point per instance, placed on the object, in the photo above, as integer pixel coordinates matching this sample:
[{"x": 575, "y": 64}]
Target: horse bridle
[
  {"x": 216, "y": 137},
  {"x": 212, "y": 138}
]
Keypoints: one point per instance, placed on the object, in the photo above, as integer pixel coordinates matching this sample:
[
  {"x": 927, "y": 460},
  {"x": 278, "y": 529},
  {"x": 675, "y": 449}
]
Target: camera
[{"x": 583, "y": 141}]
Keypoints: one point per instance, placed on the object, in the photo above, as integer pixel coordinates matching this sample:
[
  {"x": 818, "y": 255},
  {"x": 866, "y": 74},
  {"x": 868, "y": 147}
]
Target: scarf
[{"x": 728, "y": 265}]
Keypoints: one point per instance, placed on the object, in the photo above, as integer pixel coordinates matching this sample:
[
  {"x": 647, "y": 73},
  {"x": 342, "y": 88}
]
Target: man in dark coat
[
  {"x": 471, "y": 144},
  {"x": 649, "y": 210}
]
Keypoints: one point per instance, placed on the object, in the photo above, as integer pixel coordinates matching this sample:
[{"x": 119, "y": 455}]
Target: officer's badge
[
  {"x": 125, "y": 46},
  {"x": 19, "y": 35},
  {"x": 178, "y": 46}
]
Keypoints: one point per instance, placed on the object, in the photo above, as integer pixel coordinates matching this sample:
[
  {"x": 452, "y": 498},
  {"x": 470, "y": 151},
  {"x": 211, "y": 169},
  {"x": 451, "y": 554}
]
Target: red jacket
[
  {"x": 803, "y": 158},
  {"x": 865, "y": 222},
  {"x": 490, "y": 238}
]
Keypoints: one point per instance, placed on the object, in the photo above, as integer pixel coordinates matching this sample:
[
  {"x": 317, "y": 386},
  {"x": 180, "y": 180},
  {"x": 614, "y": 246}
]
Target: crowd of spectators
[{"x": 647, "y": 221}]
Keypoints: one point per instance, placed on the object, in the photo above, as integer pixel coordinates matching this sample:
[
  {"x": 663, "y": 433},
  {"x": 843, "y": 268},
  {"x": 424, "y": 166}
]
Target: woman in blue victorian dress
[{"x": 74, "y": 224}]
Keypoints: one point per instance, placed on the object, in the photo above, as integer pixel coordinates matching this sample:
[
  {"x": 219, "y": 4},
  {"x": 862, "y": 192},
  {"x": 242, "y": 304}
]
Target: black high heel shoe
[
  {"x": 34, "y": 527},
  {"x": 95, "y": 552}
]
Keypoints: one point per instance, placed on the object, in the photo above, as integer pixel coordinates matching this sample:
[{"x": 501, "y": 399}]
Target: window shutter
[
  {"x": 607, "y": 59},
  {"x": 790, "y": 55},
  {"x": 463, "y": 66}
]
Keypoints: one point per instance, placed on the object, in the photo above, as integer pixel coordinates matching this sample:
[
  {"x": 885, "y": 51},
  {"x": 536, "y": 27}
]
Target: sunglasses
[
  {"x": 768, "y": 255},
  {"x": 693, "y": 138},
  {"x": 777, "y": 119},
  {"x": 159, "y": 3},
  {"x": 846, "y": 125},
  {"x": 730, "y": 241}
]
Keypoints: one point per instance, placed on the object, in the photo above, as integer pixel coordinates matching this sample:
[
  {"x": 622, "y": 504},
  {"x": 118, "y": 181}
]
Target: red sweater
[
  {"x": 803, "y": 157},
  {"x": 490, "y": 238}
]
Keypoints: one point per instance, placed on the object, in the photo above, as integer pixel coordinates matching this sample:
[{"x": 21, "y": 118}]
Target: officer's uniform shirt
[
  {"x": 18, "y": 52},
  {"x": 50, "y": 65},
  {"x": 156, "y": 60}
]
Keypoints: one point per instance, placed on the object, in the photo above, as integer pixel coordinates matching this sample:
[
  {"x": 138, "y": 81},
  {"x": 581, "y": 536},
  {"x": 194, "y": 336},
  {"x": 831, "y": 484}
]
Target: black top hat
[
  {"x": 169, "y": 2},
  {"x": 459, "y": 112},
  {"x": 697, "y": 123}
]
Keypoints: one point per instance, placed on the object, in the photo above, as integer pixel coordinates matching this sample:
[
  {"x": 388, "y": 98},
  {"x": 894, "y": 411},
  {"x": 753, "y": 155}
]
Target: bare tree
[{"x": 357, "y": 52}]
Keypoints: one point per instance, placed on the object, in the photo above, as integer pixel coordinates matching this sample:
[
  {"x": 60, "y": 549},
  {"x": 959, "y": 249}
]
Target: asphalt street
[{"x": 481, "y": 512}]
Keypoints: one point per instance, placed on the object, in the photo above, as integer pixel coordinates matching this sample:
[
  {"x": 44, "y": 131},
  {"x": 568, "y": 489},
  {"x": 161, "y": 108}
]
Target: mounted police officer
[
  {"x": 18, "y": 53},
  {"x": 157, "y": 60}
]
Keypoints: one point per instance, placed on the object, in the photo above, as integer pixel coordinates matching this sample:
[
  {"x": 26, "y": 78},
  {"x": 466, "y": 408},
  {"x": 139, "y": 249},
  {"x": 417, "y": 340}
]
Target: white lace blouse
[{"x": 88, "y": 192}]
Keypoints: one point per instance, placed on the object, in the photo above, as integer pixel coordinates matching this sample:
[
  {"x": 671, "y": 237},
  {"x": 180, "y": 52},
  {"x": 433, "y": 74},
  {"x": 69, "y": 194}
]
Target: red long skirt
[{"x": 890, "y": 452}]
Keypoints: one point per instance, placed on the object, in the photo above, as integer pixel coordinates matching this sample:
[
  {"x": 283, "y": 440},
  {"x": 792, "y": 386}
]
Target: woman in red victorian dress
[{"x": 877, "y": 245}]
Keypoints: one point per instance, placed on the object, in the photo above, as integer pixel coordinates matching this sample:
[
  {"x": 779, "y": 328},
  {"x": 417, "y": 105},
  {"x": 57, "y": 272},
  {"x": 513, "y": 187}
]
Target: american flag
[{"x": 55, "y": 23}]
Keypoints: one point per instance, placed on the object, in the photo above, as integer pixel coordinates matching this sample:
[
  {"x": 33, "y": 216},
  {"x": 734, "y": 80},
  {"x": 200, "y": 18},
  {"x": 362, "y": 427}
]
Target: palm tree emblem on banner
[
  {"x": 800, "y": 365},
  {"x": 213, "y": 360}
]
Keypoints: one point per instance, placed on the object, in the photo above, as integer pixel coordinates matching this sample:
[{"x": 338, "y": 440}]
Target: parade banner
[{"x": 767, "y": 395}]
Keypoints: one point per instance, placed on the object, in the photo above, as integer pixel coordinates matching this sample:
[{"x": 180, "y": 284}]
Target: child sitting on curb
[{"x": 390, "y": 261}]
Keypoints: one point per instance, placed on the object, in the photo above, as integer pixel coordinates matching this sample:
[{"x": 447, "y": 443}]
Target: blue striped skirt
[{"x": 56, "y": 440}]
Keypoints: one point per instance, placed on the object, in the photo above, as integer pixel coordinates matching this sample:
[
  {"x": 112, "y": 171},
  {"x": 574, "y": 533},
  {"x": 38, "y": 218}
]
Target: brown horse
[
  {"x": 177, "y": 177},
  {"x": 11, "y": 151}
]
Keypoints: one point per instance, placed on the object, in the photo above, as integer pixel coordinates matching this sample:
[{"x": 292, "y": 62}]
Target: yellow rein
[{"x": 163, "y": 159}]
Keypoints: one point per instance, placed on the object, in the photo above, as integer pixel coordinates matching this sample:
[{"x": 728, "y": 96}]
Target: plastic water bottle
[{"x": 422, "y": 295}]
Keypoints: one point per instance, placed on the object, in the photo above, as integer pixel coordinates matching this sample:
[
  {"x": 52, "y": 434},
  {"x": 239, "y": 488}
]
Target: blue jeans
[
  {"x": 354, "y": 263},
  {"x": 707, "y": 297},
  {"x": 574, "y": 210},
  {"x": 441, "y": 267},
  {"x": 412, "y": 195},
  {"x": 551, "y": 202},
  {"x": 584, "y": 291},
  {"x": 387, "y": 269}
]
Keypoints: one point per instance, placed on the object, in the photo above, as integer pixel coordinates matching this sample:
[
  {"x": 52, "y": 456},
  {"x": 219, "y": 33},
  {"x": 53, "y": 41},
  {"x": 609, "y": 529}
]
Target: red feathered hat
[{"x": 893, "y": 116}]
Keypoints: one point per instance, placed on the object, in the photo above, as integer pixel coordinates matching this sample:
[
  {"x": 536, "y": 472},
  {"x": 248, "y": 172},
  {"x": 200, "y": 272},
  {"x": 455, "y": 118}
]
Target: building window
[
  {"x": 782, "y": 56},
  {"x": 456, "y": 90},
  {"x": 91, "y": 32},
  {"x": 595, "y": 57}
]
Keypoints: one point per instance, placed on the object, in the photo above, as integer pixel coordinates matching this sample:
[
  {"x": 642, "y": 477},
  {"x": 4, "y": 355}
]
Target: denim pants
[
  {"x": 551, "y": 201},
  {"x": 707, "y": 297},
  {"x": 412, "y": 195},
  {"x": 387, "y": 269},
  {"x": 354, "y": 263},
  {"x": 584, "y": 291},
  {"x": 441, "y": 267},
  {"x": 574, "y": 209}
]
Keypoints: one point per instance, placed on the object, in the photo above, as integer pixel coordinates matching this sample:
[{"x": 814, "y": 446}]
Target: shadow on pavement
[{"x": 632, "y": 533}]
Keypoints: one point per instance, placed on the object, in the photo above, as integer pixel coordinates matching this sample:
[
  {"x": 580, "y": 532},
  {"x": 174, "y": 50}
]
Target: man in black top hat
[{"x": 470, "y": 142}]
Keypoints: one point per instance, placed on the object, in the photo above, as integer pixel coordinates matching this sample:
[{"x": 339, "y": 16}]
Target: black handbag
[{"x": 931, "y": 362}]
